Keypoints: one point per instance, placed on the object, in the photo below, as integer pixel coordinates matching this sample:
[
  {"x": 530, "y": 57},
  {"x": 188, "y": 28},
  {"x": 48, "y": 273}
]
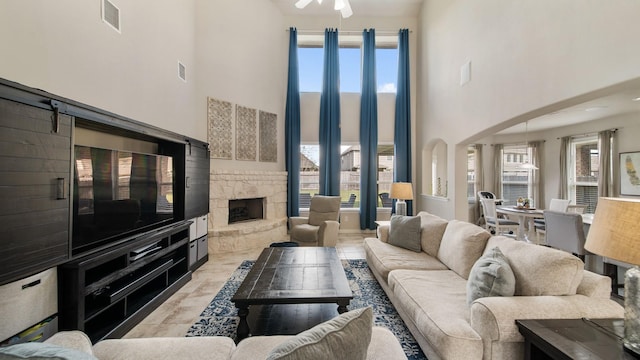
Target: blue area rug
[{"x": 220, "y": 318}]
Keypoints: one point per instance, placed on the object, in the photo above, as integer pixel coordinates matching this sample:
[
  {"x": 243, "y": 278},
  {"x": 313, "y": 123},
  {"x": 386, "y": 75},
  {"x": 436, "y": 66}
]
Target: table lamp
[
  {"x": 615, "y": 233},
  {"x": 401, "y": 191}
]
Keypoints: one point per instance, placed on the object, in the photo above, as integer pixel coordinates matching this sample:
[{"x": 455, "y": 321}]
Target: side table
[{"x": 573, "y": 339}]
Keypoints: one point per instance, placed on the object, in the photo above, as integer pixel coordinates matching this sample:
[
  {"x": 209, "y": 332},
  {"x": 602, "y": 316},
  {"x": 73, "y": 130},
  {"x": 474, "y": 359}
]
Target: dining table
[{"x": 526, "y": 216}]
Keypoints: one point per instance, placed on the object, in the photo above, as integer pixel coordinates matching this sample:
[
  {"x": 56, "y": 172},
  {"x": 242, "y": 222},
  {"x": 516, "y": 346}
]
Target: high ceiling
[
  {"x": 608, "y": 103},
  {"x": 361, "y": 8}
]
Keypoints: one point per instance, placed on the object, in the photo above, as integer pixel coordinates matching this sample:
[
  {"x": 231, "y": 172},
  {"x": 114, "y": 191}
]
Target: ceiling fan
[{"x": 342, "y": 5}]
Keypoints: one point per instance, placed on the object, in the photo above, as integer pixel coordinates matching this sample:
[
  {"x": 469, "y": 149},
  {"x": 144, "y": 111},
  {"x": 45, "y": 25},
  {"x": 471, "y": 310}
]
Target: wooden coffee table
[{"x": 292, "y": 275}]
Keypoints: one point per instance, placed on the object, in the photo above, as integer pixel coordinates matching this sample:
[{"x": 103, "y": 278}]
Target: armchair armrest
[
  {"x": 493, "y": 318},
  {"x": 328, "y": 233},
  {"x": 383, "y": 233},
  {"x": 297, "y": 220}
]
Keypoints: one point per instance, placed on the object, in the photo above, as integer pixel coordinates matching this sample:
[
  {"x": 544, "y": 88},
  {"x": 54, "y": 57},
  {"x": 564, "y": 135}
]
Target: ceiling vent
[
  {"x": 111, "y": 14},
  {"x": 182, "y": 71}
]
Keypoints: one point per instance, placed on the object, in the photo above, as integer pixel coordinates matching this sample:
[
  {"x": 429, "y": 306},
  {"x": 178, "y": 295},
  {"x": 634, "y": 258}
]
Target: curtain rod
[
  {"x": 578, "y": 136},
  {"x": 349, "y": 32}
]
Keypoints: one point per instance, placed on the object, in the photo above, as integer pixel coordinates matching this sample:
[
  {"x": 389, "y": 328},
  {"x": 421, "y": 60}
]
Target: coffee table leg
[
  {"x": 243, "y": 325},
  {"x": 342, "y": 306}
]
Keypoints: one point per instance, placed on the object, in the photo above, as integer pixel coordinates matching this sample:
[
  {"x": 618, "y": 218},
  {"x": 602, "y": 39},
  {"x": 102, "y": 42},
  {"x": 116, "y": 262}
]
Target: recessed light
[{"x": 636, "y": 99}]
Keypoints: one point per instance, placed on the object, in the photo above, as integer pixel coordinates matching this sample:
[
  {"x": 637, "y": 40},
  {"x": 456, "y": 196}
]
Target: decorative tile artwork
[
  {"x": 246, "y": 139},
  {"x": 220, "y": 128},
  {"x": 268, "y": 137}
]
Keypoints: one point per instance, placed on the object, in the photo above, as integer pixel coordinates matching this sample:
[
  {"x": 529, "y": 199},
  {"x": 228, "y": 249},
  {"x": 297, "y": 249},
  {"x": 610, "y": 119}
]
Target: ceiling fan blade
[
  {"x": 301, "y": 4},
  {"x": 346, "y": 10}
]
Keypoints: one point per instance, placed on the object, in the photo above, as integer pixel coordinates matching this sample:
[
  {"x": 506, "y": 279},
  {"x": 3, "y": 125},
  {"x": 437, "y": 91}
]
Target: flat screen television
[{"x": 118, "y": 194}]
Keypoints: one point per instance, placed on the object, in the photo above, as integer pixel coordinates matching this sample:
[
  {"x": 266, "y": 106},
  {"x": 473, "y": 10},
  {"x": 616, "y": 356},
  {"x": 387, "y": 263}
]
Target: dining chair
[
  {"x": 564, "y": 231},
  {"x": 491, "y": 220},
  {"x": 560, "y": 205}
]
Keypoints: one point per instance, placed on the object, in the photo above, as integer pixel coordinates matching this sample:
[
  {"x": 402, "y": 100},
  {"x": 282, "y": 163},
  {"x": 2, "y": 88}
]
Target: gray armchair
[
  {"x": 321, "y": 227},
  {"x": 565, "y": 231}
]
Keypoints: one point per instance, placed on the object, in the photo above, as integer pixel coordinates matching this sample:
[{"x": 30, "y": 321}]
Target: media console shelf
[{"x": 105, "y": 294}]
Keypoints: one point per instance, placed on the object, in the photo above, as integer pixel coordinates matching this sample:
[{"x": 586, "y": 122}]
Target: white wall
[
  {"x": 63, "y": 47},
  {"x": 527, "y": 58},
  {"x": 242, "y": 57},
  {"x": 349, "y": 117}
]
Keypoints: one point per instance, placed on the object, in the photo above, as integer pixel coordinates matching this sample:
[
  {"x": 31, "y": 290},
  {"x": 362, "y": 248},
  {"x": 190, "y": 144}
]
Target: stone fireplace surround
[{"x": 228, "y": 185}]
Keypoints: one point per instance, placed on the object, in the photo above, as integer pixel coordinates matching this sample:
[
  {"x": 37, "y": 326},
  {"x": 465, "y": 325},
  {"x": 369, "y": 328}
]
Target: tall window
[
  {"x": 471, "y": 173},
  {"x": 583, "y": 173},
  {"x": 310, "y": 64},
  {"x": 516, "y": 181}
]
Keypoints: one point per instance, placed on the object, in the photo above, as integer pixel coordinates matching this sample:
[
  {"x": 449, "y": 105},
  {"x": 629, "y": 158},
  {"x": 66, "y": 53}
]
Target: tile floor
[{"x": 176, "y": 315}]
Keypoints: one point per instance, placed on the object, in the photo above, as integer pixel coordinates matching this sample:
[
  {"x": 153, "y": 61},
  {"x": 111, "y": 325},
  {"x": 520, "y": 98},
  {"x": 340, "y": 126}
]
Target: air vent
[
  {"x": 111, "y": 14},
  {"x": 182, "y": 71}
]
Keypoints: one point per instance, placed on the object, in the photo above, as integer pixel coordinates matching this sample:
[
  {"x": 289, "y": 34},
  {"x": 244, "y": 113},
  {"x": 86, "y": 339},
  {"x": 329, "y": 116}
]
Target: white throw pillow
[{"x": 345, "y": 337}]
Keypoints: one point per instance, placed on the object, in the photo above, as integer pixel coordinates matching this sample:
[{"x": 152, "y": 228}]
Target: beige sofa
[
  {"x": 428, "y": 289},
  {"x": 383, "y": 346}
]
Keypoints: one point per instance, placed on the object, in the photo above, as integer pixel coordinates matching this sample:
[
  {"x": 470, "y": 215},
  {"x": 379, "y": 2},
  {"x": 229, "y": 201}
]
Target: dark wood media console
[
  {"x": 107, "y": 293},
  {"x": 107, "y": 289}
]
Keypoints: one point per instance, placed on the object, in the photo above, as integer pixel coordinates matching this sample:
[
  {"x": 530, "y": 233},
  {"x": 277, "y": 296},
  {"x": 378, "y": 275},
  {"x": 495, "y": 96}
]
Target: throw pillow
[
  {"x": 42, "y": 351},
  {"x": 491, "y": 275},
  {"x": 404, "y": 231},
  {"x": 345, "y": 337}
]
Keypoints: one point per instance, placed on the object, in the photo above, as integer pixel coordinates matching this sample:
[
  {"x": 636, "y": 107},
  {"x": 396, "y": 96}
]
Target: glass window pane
[
  {"x": 385, "y": 174},
  {"x": 350, "y": 176},
  {"x": 350, "y": 70},
  {"x": 583, "y": 181},
  {"x": 515, "y": 179},
  {"x": 309, "y": 173},
  {"x": 387, "y": 69},
  {"x": 310, "y": 68}
]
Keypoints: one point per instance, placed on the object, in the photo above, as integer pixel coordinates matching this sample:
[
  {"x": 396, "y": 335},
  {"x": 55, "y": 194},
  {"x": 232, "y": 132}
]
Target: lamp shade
[
  {"x": 401, "y": 191},
  {"x": 615, "y": 230}
]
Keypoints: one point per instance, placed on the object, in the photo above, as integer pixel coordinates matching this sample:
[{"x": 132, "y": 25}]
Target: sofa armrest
[
  {"x": 328, "y": 233},
  {"x": 297, "y": 220},
  {"x": 74, "y": 339},
  {"x": 493, "y": 318},
  {"x": 594, "y": 285},
  {"x": 384, "y": 345},
  {"x": 383, "y": 233}
]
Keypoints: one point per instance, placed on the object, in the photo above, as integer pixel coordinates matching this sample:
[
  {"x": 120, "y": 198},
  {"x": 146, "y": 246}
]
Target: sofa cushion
[
  {"x": 382, "y": 258},
  {"x": 462, "y": 244},
  {"x": 404, "y": 231},
  {"x": 491, "y": 275},
  {"x": 42, "y": 351},
  {"x": 305, "y": 233},
  {"x": 347, "y": 336},
  {"x": 435, "y": 303},
  {"x": 183, "y": 348},
  {"x": 540, "y": 270},
  {"x": 431, "y": 230}
]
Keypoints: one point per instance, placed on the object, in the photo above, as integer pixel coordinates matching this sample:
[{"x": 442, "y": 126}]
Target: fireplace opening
[{"x": 246, "y": 210}]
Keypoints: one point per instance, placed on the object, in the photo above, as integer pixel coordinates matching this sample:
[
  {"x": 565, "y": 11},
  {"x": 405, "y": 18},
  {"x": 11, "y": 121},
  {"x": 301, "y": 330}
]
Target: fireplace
[{"x": 246, "y": 209}]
